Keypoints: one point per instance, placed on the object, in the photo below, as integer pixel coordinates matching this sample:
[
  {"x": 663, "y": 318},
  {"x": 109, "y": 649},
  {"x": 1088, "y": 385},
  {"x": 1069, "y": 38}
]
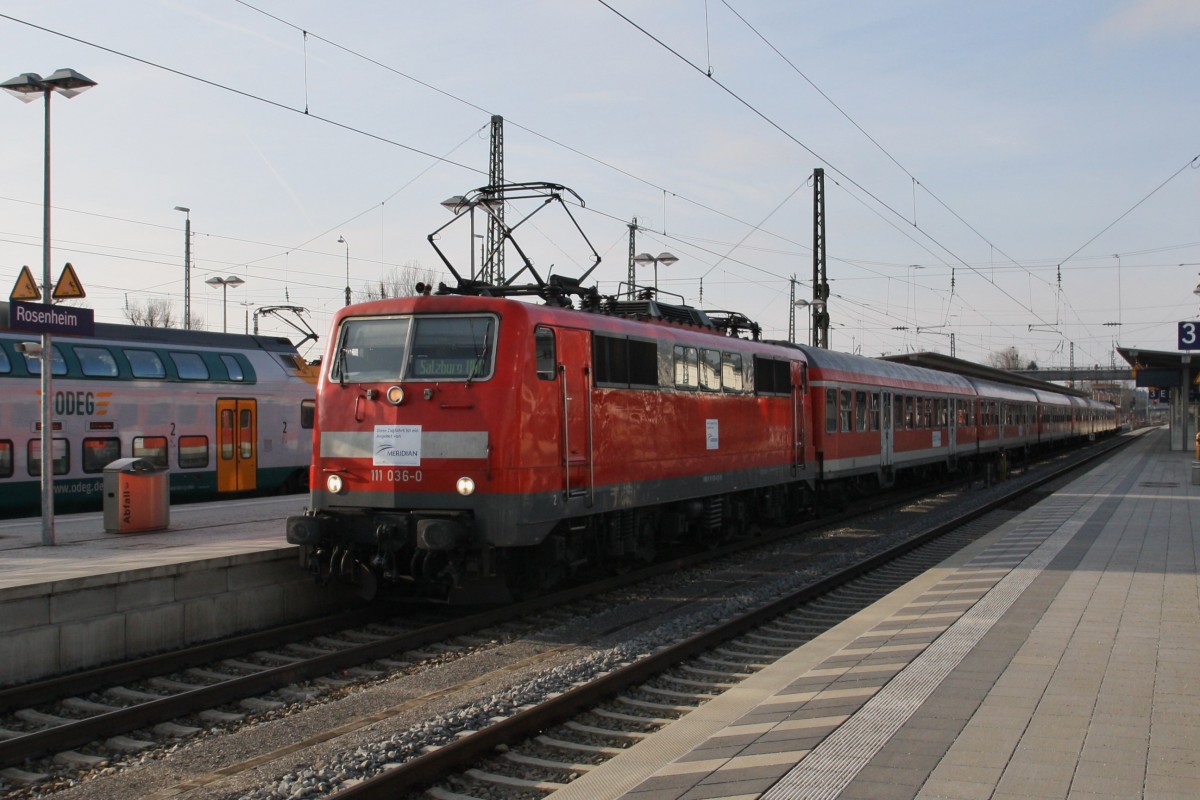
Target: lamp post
[
  {"x": 666, "y": 259},
  {"x": 818, "y": 305},
  {"x": 225, "y": 283},
  {"x": 25, "y": 87},
  {"x": 187, "y": 267},
  {"x": 342, "y": 240}
]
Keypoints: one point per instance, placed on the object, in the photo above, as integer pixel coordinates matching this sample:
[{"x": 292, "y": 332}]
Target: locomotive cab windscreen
[{"x": 433, "y": 348}]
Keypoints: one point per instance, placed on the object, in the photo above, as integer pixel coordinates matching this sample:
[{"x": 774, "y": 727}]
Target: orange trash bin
[{"x": 137, "y": 497}]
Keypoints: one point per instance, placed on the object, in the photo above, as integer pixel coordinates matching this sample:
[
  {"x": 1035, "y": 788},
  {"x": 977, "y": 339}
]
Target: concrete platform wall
[{"x": 87, "y": 622}]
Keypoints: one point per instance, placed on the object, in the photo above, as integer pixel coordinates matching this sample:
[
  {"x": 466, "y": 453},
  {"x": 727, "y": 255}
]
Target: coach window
[
  {"x": 61, "y": 456},
  {"x": 308, "y": 414},
  {"x": 544, "y": 353},
  {"x": 246, "y": 426},
  {"x": 96, "y": 362},
  {"x": 687, "y": 367},
  {"x": 710, "y": 370},
  {"x": 874, "y": 411},
  {"x": 193, "y": 452},
  {"x": 831, "y": 410},
  {"x": 190, "y": 366},
  {"x": 910, "y": 421},
  {"x": 58, "y": 366},
  {"x": 731, "y": 372},
  {"x": 6, "y": 459},
  {"x": 860, "y": 411},
  {"x": 226, "y": 435},
  {"x": 233, "y": 368},
  {"x": 99, "y": 453},
  {"x": 151, "y": 448},
  {"x": 847, "y": 411},
  {"x": 145, "y": 364}
]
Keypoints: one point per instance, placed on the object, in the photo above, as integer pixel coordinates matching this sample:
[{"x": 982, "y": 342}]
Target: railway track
[{"x": 86, "y": 720}]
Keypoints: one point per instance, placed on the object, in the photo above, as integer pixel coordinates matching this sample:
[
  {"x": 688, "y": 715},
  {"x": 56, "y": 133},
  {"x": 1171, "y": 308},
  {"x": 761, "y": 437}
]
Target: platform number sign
[{"x": 1189, "y": 336}]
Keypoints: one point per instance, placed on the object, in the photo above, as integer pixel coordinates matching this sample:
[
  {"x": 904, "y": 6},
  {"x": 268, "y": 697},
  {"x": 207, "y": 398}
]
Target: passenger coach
[{"x": 225, "y": 414}]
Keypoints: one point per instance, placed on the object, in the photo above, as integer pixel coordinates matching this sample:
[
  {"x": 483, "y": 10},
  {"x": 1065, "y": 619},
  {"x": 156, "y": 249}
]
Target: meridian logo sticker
[{"x": 397, "y": 446}]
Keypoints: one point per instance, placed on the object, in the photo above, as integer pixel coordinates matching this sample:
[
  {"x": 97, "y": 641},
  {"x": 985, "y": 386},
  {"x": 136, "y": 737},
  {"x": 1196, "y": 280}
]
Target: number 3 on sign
[{"x": 1189, "y": 336}]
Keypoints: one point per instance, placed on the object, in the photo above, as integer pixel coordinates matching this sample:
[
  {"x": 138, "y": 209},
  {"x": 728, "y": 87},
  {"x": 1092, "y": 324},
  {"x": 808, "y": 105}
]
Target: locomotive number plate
[{"x": 397, "y": 475}]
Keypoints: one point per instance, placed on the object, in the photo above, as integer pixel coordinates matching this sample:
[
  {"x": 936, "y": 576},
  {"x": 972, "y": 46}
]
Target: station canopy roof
[{"x": 1161, "y": 368}]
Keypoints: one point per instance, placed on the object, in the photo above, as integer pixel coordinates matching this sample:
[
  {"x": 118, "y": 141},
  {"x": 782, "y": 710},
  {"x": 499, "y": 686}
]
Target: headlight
[
  {"x": 465, "y": 486},
  {"x": 334, "y": 484},
  {"x": 395, "y": 395}
]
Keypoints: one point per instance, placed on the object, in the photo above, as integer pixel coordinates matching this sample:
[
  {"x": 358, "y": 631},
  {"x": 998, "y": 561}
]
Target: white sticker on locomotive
[
  {"x": 711, "y": 434},
  {"x": 397, "y": 446}
]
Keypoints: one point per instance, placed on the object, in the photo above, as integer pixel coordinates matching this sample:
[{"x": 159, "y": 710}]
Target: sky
[{"x": 998, "y": 174}]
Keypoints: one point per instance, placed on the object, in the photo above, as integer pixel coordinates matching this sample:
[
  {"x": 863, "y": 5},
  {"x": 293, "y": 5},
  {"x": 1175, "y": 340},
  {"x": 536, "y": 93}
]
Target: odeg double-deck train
[
  {"x": 471, "y": 445},
  {"x": 224, "y": 414}
]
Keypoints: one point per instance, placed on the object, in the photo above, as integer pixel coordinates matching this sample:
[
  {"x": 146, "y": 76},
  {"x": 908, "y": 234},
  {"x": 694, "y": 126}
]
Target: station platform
[
  {"x": 92, "y": 597},
  {"x": 1055, "y": 658}
]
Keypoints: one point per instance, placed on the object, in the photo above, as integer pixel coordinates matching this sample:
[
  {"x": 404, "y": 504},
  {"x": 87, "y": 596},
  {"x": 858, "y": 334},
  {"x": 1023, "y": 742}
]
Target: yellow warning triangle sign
[
  {"x": 68, "y": 286},
  {"x": 26, "y": 288}
]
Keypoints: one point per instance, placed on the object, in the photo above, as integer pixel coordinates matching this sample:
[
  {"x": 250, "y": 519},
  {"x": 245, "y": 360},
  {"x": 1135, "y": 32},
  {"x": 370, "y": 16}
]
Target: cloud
[{"x": 1146, "y": 20}]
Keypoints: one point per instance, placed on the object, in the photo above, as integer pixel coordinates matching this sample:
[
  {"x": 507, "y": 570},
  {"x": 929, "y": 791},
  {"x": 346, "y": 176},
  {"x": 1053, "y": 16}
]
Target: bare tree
[
  {"x": 1009, "y": 358},
  {"x": 156, "y": 312},
  {"x": 400, "y": 281}
]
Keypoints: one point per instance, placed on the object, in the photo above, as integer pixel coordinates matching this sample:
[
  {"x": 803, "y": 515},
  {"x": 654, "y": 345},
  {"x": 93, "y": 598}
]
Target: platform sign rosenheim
[{"x": 32, "y": 317}]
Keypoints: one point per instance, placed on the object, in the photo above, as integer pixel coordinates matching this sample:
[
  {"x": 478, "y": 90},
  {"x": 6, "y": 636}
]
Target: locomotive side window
[
  {"x": 545, "y": 354},
  {"x": 772, "y": 376},
  {"x": 61, "y": 455},
  {"x": 5, "y": 364},
  {"x": 145, "y": 364},
  {"x": 193, "y": 452},
  {"x": 190, "y": 366},
  {"x": 687, "y": 367},
  {"x": 6, "y": 458},
  {"x": 96, "y": 362},
  {"x": 308, "y": 414},
  {"x": 643, "y": 364},
  {"x": 151, "y": 448},
  {"x": 99, "y": 453},
  {"x": 710, "y": 370},
  {"x": 731, "y": 372}
]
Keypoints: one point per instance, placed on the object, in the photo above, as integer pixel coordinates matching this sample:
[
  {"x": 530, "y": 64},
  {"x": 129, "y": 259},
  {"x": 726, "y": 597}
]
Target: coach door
[
  {"x": 237, "y": 448},
  {"x": 886, "y": 437},
  {"x": 799, "y": 390},
  {"x": 574, "y": 359}
]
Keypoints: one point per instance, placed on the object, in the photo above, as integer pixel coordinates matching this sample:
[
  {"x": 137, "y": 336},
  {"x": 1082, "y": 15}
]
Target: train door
[
  {"x": 951, "y": 423},
  {"x": 799, "y": 390},
  {"x": 886, "y": 437},
  {"x": 237, "y": 445},
  {"x": 574, "y": 360}
]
